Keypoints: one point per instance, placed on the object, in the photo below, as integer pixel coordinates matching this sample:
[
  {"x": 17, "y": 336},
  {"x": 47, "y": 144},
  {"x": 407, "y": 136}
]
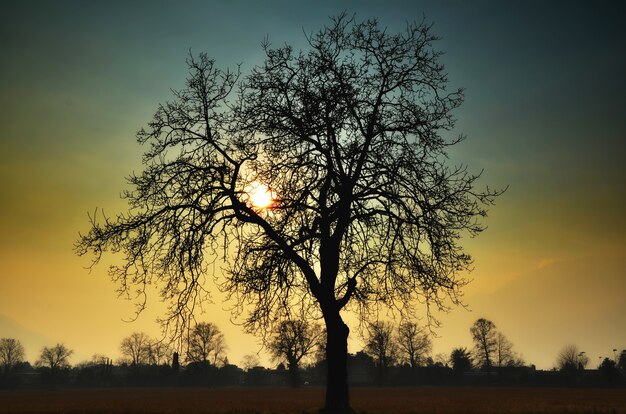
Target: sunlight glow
[{"x": 260, "y": 196}]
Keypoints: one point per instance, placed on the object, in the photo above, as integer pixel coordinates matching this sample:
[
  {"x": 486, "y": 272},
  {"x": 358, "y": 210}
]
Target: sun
[{"x": 260, "y": 196}]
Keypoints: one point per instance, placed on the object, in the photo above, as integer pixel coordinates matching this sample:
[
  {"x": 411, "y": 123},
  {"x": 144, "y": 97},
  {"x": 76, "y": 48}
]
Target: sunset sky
[{"x": 545, "y": 114}]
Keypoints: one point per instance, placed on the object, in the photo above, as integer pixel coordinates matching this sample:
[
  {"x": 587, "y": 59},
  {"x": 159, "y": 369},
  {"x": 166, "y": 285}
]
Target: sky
[{"x": 544, "y": 114}]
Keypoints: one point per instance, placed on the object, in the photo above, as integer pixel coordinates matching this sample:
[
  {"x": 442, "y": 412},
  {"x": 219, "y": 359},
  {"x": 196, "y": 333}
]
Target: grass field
[{"x": 308, "y": 400}]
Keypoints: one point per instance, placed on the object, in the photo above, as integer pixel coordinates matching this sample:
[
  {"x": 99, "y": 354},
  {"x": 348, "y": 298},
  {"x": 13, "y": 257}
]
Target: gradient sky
[{"x": 544, "y": 113}]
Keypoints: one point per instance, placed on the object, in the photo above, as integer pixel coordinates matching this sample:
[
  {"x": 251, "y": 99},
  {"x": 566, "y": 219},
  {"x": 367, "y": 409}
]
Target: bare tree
[
  {"x": 381, "y": 345},
  {"x": 99, "y": 359},
  {"x": 320, "y": 349},
  {"x": 292, "y": 341},
  {"x": 158, "y": 352},
  {"x": 206, "y": 343},
  {"x": 439, "y": 359},
  {"x": 484, "y": 335},
  {"x": 11, "y": 353},
  {"x": 55, "y": 358},
  {"x": 570, "y": 358},
  {"x": 250, "y": 361},
  {"x": 413, "y": 343},
  {"x": 136, "y": 348},
  {"x": 504, "y": 354},
  {"x": 219, "y": 352},
  {"x": 326, "y": 174}
]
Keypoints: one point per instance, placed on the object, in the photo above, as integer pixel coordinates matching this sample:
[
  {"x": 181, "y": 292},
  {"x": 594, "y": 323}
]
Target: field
[{"x": 440, "y": 400}]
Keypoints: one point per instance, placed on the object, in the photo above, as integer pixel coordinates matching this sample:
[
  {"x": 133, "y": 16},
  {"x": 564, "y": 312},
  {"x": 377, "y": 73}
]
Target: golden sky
[{"x": 544, "y": 114}]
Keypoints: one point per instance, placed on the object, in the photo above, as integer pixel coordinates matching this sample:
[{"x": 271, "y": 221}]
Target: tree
[
  {"x": 322, "y": 182},
  {"x": 492, "y": 347},
  {"x": 413, "y": 343},
  {"x": 570, "y": 358},
  {"x": 608, "y": 371},
  {"x": 461, "y": 360},
  {"x": 250, "y": 361},
  {"x": 206, "y": 343},
  {"x": 504, "y": 354},
  {"x": 484, "y": 335},
  {"x": 621, "y": 361},
  {"x": 11, "y": 353},
  {"x": 136, "y": 348},
  {"x": 158, "y": 352},
  {"x": 55, "y": 358},
  {"x": 219, "y": 353},
  {"x": 175, "y": 363},
  {"x": 99, "y": 359},
  {"x": 381, "y": 346},
  {"x": 292, "y": 341}
]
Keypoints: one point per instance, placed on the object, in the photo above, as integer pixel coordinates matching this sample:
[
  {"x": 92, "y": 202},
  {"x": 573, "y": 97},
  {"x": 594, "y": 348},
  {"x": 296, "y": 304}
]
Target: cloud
[
  {"x": 492, "y": 284},
  {"x": 546, "y": 262}
]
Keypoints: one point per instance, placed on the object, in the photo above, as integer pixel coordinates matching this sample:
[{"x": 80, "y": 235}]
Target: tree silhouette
[
  {"x": 621, "y": 361},
  {"x": 159, "y": 352},
  {"x": 250, "y": 361},
  {"x": 484, "y": 335},
  {"x": 570, "y": 358},
  {"x": 413, "y": 343},
  {"x": 206, "y": 343},
  {"x": 55, "y": 358},
  {"x": 504, "y": 356},
  {"x": 99, "y": 359},
  {"x": 359, "y": 206},
  {"x": 11, "y": 353},
  {"x": 292, "y": 341},
  {"x": 136, "y": 348},
  {"x": 608, "y": 371},
  {"x": 461, "y": 360},
  {"x": 382, "y": 346}
]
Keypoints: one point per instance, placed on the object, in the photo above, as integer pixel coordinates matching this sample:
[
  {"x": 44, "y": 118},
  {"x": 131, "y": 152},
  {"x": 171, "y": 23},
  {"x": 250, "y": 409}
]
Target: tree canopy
[
  {"x": 55, "y": 358},
  {"x": 414, "y": 343},
  {"x": 292, "y": 341},
  {"x": 11, "y": 353},
  {"x": 348, "y": 141},
  {"x": 205, "y": 343}
]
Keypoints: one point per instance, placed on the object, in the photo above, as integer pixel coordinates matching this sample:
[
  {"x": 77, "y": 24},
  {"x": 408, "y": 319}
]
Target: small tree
[
  {"x": 54, "y": 358},
  {"x": 292, "y": 341},
  {"x": 413, "y": 343},
  {"x": 570, "y": 358},
  {"x": 461, "y": 360},
  {"x": 11, "y": 353},
  {"x": 504, "y": 354},
  {"x": 158, "y": 352},
  {"x": 621, "y": 361},
  {"x": 136, "y": 348},
  {"x": 608, "y": 371},
  {"x": 206, "y": 343},
  {"x": 250, "y": 361},
  {"x": 99, "y": 359},
  {"x": 484, "y": 335},
  {"x": 381, "y": 346}
]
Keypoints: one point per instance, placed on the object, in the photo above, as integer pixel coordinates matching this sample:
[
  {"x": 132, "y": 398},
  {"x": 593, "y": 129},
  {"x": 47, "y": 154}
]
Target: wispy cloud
[{"x": 546, "y": 262}]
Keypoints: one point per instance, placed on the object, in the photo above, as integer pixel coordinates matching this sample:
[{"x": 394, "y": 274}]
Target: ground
[{"x": 440, "y": 400}]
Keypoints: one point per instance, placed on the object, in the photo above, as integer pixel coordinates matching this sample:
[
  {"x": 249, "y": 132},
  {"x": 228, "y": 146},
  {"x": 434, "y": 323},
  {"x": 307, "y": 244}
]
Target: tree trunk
[
  {"x": 294, "y": 375},
  {"x": 337, "y": 395}
]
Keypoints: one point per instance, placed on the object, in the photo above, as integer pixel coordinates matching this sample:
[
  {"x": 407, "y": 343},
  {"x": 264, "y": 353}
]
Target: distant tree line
[{"x": 392, "y": 355}]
